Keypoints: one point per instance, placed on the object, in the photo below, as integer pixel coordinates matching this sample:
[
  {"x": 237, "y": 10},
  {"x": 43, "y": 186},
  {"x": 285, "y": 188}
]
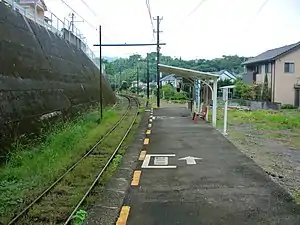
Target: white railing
[{"x": 55, "y": 25}]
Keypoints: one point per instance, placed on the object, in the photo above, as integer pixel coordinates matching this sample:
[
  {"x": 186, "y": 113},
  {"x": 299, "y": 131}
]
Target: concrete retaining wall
[
  {"x": 256, "y": 105},
  {"x": 42, "y": 72}
]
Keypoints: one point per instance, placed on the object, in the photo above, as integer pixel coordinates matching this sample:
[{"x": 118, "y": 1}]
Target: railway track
[{"x": 61, "y": 200}]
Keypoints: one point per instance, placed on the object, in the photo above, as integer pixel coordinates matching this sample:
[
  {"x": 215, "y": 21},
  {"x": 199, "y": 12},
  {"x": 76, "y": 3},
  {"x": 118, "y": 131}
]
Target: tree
[
  {"x": 265, "y": 91},
  {"x": 225, "y": 82},
  {"x": 128, "y": 65},
  {"x": 124, "y": 86}
]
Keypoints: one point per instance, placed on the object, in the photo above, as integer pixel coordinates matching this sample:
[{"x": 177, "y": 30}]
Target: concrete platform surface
[{"x": 220, "y": 186}]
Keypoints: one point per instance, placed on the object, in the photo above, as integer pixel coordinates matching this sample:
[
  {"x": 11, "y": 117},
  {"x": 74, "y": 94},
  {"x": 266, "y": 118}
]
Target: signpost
[{"x": 225, "y": 99}]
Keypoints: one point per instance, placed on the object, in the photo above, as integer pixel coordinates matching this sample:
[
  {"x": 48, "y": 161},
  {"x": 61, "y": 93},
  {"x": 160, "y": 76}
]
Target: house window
[
  {"x": 259, "y": 69},
  {"x": 268, "y": 68},
  {"x": 289, "y": 67}
]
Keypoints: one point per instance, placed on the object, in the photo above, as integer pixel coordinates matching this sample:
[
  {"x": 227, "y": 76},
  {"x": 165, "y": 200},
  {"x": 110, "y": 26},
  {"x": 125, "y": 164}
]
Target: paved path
[{"x": 223, "y": 187}]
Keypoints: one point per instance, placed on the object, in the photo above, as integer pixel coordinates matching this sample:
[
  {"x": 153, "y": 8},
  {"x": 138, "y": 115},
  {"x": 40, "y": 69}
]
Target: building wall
[
  {"x": 284, "y": 82},
  {"x": 248, "y": 76},
  {"x": 260, "y": 77}
]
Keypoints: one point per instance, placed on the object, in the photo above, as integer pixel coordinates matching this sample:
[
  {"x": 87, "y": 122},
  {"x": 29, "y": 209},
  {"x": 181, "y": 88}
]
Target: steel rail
[
  {"x": 106, "y": 165},
  {"x": 19, "y": 215}
]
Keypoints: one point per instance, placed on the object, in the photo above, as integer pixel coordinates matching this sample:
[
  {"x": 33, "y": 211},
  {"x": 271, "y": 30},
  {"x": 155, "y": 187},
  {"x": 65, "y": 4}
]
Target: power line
[
  {"x": 78, "y": 14},
  {"x": 196, "y": 8},
  {"x": 86, "y": 5},
  {"x": 262, "y": 6},
  {"x": 149, "y": 11}
]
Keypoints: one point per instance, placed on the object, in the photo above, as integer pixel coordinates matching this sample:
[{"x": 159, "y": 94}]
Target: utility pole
[
  {"x": 148, "y": 76},
  {"x": 157, "y": 61},
  {"x": 120, "y": 73},
  {"x": 137, "y": 80},
  {"x": 72, "y": 22},
  {"x": 100, "y": 59}
]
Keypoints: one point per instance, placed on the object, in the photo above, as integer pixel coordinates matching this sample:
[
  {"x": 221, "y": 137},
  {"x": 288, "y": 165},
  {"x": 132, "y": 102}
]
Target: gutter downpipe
[
  {"x": 274, "y": 82},
  {"x": 272, "y": 99}
]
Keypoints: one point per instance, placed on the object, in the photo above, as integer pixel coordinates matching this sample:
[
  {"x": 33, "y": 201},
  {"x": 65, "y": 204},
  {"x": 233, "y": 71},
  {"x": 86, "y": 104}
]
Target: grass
[
  {"x": 283, "y": 125},
  {"x": 32, "y": 168},
  {"x": 97, "y": 192},
  {"x": 257, "y": 129},
  {"x": 263, "y": 119}
]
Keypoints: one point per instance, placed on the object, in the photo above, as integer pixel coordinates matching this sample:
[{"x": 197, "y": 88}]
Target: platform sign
[
  {"x": 161, "y": 161},
  {"x": 225, "y": 94},
  {"x": 197, "y": 90}
]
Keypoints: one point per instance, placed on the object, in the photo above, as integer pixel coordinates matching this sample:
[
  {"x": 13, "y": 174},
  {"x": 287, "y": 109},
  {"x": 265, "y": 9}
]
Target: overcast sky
[{"x": 215, "y": 28}]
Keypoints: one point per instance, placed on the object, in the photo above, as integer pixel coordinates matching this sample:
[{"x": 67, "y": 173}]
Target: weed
[
  {"x": 32, "y": 168},
  {"x": 79, "y": 217}
]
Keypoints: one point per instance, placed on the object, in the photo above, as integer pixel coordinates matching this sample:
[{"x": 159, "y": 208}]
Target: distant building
[
  {"x": 142, "y": 85},
  {"x": 224, "y": 74},
  {"x": 170, "y": 79},
  {"x": 34, "y": 6},
  {"x": 282, "y": 68}
]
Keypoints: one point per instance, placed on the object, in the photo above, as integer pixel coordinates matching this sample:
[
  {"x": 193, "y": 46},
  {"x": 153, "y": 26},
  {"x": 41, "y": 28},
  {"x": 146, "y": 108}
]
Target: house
[
  {"x": 224, "y": 74},
  {"x": 142, "y": 85},
  {"x": 281, "y": 67},
  {"x": 34, "y": 6},
  {"x": 170, "y": 79}
]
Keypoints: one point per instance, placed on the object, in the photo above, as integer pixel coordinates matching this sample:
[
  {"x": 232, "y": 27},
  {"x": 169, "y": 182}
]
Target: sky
[{"x": 191, "y": 29}]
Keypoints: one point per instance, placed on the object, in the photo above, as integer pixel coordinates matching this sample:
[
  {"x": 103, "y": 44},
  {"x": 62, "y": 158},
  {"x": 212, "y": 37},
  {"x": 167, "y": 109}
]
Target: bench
[{"x": 201, "y": 115}]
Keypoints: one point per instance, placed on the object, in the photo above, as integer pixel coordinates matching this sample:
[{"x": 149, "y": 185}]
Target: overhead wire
[
  {"x": 197, "y": 7},
  {"x": 86, "y": 5},
  {"x": 150, "y": 15},
  {"x": 261, "y": 7},
  {"x": 188, "y": 15},
  {"x": 79, "y": 15}
]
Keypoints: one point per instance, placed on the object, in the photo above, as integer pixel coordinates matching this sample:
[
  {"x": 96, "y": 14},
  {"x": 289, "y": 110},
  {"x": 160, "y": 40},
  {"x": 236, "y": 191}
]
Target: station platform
[{"x": 189, "y": 173}]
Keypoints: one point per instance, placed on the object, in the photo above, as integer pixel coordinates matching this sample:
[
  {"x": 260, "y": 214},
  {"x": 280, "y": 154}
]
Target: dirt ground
[{"x": 274, "y": 148}]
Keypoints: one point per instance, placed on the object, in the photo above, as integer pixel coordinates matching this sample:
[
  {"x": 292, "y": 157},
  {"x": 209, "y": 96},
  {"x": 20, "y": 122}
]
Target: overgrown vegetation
[
  {"x": 33, "y": 167},
  {"x": 168, "y": 92},
  {"x": 283, "y": 126},
  {"x": 256, "y": 91},
  {"x": 97, "y": 192}
]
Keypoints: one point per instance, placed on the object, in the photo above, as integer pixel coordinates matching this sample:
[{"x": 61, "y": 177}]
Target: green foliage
[
  {"x": 225, "y": 82},
  {"x": 288, "y": 106},
  {"x": 134, "y": 89},
  {"x": 30, "y": 168},
  {"x": 124, "y": 86},
  {"x": 170, "y": 93},
  {"x": 266, "y": 93},
  {"x": 79, "y": 217},
  {"x": 244, "y": 91},
  {"x": 128, "y": 66},
  {"x": 257, "y": 92},
  {"x": 167, "y": 92},
  {"x": 179, "y": 96}
]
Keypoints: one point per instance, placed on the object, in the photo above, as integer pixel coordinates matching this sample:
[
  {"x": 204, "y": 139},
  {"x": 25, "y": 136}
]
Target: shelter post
[
  {"x": 214, "y": 110},
  {"x": 199, "y": 96}
]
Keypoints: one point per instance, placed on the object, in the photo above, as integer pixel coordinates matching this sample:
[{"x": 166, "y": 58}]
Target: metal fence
[{"x": 55, "y": 25}]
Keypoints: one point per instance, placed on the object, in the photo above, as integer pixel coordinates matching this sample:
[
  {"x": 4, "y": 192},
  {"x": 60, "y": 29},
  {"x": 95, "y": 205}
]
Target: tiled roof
[{"x": 271, "y": 54}]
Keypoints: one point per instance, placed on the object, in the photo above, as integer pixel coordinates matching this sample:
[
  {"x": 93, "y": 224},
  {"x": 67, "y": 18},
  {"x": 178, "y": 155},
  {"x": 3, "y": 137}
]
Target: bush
[
  {"x": 288, "y": 106},
  {"x": 179, "y": 96},
  {"x": 169, "y": 93}
]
